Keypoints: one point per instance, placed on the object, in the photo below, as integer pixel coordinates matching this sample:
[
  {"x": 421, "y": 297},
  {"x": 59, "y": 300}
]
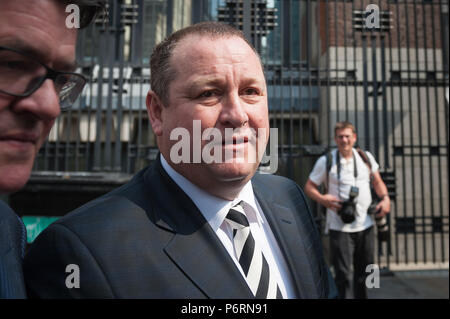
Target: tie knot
[{"x": 236, "y": 216}]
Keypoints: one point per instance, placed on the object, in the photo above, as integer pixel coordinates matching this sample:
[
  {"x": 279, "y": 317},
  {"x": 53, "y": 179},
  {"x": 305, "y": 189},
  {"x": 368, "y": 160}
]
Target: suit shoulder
[
  {"x": 97, "y": 225},
  {"x": 280, "y": 189},
  {"x": 11, "y": 221},
  {"x": 7, "y": 214},
  {"x": 278, "y": 186},
  {"x": 111, "y": 208}
]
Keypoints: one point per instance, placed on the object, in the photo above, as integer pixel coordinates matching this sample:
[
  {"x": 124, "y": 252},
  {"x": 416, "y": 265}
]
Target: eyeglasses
[{"x": 21, "y": 76}]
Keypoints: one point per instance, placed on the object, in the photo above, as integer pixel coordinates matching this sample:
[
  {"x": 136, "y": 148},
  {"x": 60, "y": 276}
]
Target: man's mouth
[
  {"x": 20, "y": 138},
  {"x": 236, "y": 140}
]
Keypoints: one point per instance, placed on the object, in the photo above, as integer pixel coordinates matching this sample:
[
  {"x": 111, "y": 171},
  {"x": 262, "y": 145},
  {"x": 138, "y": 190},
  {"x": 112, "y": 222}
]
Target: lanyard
[{"x": 338, "y": 163}]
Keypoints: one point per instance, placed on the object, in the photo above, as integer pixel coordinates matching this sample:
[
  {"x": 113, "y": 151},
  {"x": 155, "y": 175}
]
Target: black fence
[{"x": 382, "y": 65}]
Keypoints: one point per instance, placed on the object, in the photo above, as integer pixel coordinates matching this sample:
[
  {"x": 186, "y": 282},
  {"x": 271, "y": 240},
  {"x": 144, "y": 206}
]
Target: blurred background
[{"x": 381, "y": 64}]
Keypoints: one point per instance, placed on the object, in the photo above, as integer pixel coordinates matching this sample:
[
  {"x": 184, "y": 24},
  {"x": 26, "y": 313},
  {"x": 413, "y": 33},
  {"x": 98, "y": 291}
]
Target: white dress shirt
[{"x": 215, "y": 209}]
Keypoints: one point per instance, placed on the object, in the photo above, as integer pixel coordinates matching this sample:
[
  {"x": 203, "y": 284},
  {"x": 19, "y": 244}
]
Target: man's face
[
  {"x": 221, "y": 83},
  {"x": 37, "y": 28},
  {"x": 345, "y": 139}
]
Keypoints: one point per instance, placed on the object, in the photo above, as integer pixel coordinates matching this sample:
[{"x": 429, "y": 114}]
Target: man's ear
[{"x": 154, "y": 111}]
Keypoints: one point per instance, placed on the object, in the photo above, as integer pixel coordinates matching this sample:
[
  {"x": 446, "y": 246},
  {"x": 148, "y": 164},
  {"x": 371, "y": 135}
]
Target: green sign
[{"x": 36, "y": 224}]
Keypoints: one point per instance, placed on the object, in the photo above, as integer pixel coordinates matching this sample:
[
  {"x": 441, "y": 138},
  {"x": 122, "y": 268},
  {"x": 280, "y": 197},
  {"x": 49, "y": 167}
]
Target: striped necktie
[{"x": 251, "y": 258}]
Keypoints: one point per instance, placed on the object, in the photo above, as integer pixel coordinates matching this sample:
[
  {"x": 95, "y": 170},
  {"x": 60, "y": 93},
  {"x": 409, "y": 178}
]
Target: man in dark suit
[
  {"x": 34, "y": 41},
  {"x": 12, "y": 248},
  {"x": 187, "y": 226}
]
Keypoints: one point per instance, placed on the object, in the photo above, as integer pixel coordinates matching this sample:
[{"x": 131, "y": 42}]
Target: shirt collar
[
  {"x": 213, "y": 208},
  {"x": 345, "y": 161}
]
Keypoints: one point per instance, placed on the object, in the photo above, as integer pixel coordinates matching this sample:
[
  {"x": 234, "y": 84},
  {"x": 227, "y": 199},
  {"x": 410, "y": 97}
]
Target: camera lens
[{"x": 382, "y": 228}]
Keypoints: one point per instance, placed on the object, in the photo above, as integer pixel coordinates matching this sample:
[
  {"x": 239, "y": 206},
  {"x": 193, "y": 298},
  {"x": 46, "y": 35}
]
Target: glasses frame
[{"x": 51, "y": 74}]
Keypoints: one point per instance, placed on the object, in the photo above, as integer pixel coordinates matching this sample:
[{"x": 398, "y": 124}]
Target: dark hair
[
  {"x": 89, "y": 9},
  {"x": 161, "y": 72}
]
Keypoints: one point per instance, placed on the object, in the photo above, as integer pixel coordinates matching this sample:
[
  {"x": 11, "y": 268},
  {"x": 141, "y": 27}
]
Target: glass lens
[
  {"x": 69, "y": 87},
  {"x": 19, "y": 74}
]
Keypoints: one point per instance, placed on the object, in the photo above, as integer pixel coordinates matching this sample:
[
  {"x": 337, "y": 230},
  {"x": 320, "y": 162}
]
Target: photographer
[{"x": 347, "y": 178}]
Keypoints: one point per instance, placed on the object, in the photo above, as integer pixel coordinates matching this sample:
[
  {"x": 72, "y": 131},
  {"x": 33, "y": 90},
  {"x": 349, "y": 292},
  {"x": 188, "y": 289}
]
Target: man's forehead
[
  {"x": 39, "y": 52},
  {"x": 41, "y": 12},
  {"x": 194, "y": 45},
  {"x": 345, "y": 132},
  {"x": 198, "y": 49},
  {"x": 42, "y": 35}
]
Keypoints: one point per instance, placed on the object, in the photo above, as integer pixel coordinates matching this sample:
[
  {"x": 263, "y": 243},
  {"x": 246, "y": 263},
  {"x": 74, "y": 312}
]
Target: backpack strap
[
  {"x": 329, "y": 161},
  {"x": 364, "y": 157},
  {"x": 366, "y": 160}
]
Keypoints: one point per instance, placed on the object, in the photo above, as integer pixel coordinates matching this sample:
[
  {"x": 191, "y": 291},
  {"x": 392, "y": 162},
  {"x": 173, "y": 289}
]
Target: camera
[
  {"x": 381, "y": 222},
  {"x": 348, "y": 209}
]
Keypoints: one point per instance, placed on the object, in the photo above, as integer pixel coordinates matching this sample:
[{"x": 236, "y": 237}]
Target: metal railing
[{"x": 322, "y": 65}]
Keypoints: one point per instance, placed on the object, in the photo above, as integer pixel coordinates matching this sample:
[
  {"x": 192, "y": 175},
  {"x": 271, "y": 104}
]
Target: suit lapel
[
  {"x": 206, "y": 262},
  {"x": 195, "y": 248},
  {"x": 293, "y": 239}
]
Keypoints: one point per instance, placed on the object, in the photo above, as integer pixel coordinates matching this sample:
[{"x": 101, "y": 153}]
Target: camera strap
[{"x": 338, "y": 163}]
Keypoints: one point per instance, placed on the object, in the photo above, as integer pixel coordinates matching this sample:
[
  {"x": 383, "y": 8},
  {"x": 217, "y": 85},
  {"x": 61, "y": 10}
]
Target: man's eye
[
  {"x": 12, "y": 64},
  {"x": 251, "y": 91},
  {"x": 207, "y": 94}
]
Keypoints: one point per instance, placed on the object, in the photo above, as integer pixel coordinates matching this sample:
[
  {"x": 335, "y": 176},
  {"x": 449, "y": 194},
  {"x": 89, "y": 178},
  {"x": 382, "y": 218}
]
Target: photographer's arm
[
  {"x": 382, "y": 192},
  {"x": 327, "y": 200}
]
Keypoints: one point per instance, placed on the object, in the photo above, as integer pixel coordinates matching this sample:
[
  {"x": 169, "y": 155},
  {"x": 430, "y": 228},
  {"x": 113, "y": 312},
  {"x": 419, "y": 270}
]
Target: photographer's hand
[
  {"x": 331, "y": 202},
  {"x": 327, "y": 200},
  {"x": 383, "y": 207}
]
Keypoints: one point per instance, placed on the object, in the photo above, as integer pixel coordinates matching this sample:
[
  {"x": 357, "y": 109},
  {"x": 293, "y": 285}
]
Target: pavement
[{"x": 431, "y": 284}]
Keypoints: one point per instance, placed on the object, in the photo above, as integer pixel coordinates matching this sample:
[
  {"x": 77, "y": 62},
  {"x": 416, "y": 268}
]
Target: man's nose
[
  {"x": 42, "y": 104},
  {"x": 233, "y": 112}
]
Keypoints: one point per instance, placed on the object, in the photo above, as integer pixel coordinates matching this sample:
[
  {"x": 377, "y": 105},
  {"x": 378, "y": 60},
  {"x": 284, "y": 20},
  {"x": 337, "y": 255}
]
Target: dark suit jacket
[
  {"x": 12, "y": 247},
  {"x": 147, "y": 239}
]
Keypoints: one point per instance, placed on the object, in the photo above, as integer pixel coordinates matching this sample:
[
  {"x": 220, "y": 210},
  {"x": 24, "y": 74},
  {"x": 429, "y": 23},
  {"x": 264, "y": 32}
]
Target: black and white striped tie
[{"x": 251, "y": 258}]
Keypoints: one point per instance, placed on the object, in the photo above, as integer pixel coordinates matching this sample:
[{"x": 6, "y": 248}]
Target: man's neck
[
  {"x": 346, "y": 154},
  {"x": 228, "y": 190}
]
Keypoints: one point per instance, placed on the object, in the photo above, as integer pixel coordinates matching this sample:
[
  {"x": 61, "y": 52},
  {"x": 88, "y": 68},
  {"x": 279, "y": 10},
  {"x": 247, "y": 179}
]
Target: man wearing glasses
[{"x": 37, "y": 60}]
